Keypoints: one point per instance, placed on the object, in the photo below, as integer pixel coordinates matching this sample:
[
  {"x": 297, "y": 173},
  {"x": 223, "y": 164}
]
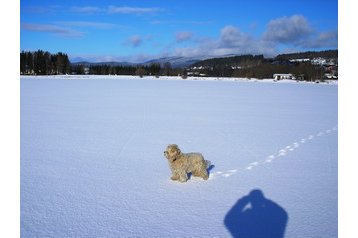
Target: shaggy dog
[{"x": 183, "y": 163}]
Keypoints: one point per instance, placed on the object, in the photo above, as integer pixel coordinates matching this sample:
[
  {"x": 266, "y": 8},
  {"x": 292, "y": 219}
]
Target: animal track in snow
[
  {"x": 282, "y": 152},
  {"x": 320, "y": 133},
  {"x": 269, "y": 159},
  {"x": 252, "y": 165},
  {"x": 226, "y": 175}
]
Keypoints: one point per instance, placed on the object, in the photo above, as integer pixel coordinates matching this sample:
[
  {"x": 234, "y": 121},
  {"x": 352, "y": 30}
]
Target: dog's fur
[{"x": 183, "y": 163}]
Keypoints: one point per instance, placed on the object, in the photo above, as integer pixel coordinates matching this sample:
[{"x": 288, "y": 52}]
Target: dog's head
[{"x": 172, "y": 152}]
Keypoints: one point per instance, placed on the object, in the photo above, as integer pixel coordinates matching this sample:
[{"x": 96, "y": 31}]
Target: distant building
[
  {"x": 283, "y": 76},
  {"x": 330, "y": 76},
  {"x": 299, "y": 60}
]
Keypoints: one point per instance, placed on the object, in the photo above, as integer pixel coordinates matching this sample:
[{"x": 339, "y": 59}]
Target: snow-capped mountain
[{"x": 177, "y": 61}]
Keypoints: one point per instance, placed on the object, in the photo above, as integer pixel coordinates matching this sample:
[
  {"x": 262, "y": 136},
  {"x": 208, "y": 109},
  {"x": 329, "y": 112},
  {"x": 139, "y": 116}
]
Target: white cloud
[
  {"x": 180, "y": 22},
  {"x": 231, "y": 37},
  {"x": 133, "y": 10},
  {"x": 134, "y": 41},
  {"x": 52, "y": 29},
  {"x": 116, "y": 10},
  {"x": 321, "y": 40},
  {"x": 287, "y": 29},
  {"x": 183, "y": 36},
  {"x": 96, "y": 25},
  {"x": 296, "y": 31},
  {"x": 86, "y": 9},
  {"x": 230, "y": 41}
]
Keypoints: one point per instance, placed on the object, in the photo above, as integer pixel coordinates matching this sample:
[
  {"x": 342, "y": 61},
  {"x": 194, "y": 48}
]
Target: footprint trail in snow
[{"x": 271, "y": 158}]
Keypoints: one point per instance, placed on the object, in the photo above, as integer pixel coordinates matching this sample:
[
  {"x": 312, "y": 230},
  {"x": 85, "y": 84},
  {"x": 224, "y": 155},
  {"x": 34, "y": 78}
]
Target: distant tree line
[
  {"x": 302, "y": 71},
  {"x": 106, "y": 69},
  {"x": 327, "y": 54},
  {"x": 44, "y": 63},
  {"x": 256, "y": 66},
  {"x": 245, "y": 66},
  {"x": 266, "y": 69},
  {"x": 153, "y": 69},
  {"x": 242, "y": 60}
]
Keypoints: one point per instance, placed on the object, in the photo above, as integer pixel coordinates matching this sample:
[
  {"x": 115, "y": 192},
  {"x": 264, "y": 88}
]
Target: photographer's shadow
[{"x": 256, "y": 216}]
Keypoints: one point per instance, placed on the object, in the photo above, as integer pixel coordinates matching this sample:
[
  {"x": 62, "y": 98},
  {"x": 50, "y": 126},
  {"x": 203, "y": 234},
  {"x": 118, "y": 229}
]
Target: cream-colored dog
[{"x": 183, "y": 163}]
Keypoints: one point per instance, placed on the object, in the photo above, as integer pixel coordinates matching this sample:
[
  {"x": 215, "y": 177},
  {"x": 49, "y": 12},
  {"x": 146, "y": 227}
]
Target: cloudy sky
[{"x": 131, "y": 30}]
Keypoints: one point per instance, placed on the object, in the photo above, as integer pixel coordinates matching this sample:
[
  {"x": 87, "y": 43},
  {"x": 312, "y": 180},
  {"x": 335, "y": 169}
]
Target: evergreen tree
[{"x": 167, "y": 69}]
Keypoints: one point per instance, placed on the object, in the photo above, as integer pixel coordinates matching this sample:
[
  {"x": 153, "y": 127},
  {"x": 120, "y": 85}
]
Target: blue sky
[{"x": 140, "y": 30}]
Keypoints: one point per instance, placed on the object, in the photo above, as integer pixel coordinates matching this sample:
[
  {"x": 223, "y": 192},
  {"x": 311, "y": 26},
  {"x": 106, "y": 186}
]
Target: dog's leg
[
  {"x": 183, "y": 177},
  {"x": 200, "y": 170},
  {"x": 204, "y": 174},
  {"x": 174, "y": 177}
]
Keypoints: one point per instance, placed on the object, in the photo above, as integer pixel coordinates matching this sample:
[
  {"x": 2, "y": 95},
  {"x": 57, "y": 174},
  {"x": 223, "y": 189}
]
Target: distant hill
[
  {"x": 176, "y": 61},
  {"x": 111, "y": 63}
]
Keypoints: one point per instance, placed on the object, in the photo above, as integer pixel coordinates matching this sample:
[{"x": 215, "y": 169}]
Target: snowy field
[{"x": 92, "y": 161}]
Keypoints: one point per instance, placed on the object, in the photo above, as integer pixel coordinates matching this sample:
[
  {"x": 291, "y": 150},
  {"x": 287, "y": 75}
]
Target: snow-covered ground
[{"x": 92, "y": 161}]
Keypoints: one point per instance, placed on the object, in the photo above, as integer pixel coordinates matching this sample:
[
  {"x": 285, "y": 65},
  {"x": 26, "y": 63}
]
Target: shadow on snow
[{"x": 256, "y": 216}]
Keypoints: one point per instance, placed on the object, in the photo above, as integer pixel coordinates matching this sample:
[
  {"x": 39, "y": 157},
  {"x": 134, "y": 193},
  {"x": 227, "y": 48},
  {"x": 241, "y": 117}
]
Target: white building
[
  {"x": 299, "y": 60},
  {"x": 283, "y": 76}
]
